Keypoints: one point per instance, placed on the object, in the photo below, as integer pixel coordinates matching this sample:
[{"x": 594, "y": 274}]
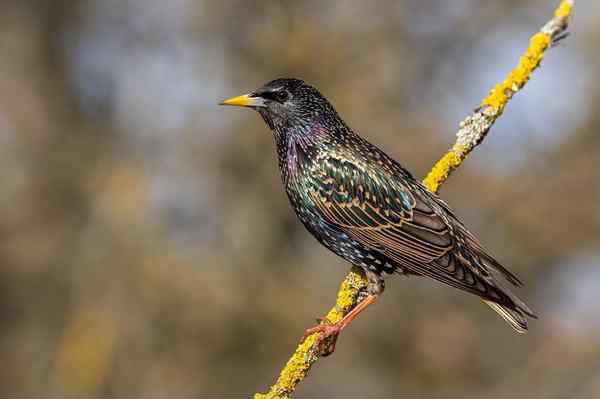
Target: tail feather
[
  {"x": 514, "y": 317},
  {"x": 511, "y": 308}
]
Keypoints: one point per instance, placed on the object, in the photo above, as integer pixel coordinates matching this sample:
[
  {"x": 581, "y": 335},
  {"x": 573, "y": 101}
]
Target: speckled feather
[{"x": 365, "y": 207}]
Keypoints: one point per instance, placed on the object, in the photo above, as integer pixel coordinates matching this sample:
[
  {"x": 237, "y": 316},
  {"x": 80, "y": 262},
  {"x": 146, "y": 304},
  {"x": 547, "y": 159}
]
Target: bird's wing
[
  {"x": 378, "y": 208},
  {"x": 384, "y": 213}
]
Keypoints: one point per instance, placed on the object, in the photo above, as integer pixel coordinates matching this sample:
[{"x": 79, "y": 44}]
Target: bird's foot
[
  {"x": 326, "y": 339},
  {"x": 328, "y": 332}
]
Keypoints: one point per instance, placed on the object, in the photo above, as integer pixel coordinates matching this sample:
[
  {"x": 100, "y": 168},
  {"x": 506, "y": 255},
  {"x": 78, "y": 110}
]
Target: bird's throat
[{"x": 297, "y": 148}]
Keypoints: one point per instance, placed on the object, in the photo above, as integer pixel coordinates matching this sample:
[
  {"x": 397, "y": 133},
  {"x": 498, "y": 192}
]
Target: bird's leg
[{"x": 327, "y": 330}]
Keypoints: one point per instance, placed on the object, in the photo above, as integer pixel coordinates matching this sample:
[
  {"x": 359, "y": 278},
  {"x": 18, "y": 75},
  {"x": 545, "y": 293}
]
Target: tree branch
[{"x": 472, "y": 130}]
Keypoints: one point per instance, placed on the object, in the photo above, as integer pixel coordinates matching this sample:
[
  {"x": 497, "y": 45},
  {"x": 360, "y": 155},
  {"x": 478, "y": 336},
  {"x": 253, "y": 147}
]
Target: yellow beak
[{"x": 244, "y": 101}]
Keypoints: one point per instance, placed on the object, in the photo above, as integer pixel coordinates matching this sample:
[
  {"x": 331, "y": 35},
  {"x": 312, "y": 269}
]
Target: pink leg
[{"x": 327, "y": 330}]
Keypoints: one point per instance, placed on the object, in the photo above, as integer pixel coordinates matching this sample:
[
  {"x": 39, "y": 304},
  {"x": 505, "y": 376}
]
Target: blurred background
[{"x": 148, "y": 249}]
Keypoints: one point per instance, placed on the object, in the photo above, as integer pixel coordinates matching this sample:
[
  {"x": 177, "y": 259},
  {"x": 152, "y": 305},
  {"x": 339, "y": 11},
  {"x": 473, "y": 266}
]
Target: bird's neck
[{"x": 297, "y": 148}]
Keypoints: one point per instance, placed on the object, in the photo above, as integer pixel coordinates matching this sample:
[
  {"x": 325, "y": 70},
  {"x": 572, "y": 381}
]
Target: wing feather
[
  {"x": 377, "y": 209},
  {"x": 380, "y": 210}
]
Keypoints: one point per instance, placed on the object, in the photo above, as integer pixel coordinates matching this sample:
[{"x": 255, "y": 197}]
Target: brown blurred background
[{"x": 147, "y": 248}]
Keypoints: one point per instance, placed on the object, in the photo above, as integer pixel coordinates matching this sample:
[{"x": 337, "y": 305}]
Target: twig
[{"x": 476, "y": 126}]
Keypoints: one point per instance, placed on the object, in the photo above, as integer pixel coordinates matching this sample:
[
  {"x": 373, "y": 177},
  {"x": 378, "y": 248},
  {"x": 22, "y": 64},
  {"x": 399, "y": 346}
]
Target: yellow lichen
[
  {"x": 348, "y": 294},
  {"x": 442, "y": 169},
  {"x": 517, "y": 78},
  {"x": 294, "y": 371},
  {"x": 564, "y": 9}
]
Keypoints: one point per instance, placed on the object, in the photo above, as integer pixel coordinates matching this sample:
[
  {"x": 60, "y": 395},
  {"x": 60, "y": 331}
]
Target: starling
[{"x": 365, "y": 207}]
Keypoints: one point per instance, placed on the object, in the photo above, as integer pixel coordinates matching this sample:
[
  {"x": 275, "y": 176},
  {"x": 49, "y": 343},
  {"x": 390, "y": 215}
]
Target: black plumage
[{"x": 365, "y": 207}]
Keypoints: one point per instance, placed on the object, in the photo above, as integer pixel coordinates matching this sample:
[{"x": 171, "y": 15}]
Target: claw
[{"x": 327, "y": 331}]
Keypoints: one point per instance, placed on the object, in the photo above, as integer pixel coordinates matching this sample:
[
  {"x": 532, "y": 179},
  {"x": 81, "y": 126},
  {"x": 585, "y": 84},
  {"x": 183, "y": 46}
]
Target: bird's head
[{"x": 287, "y": 104}]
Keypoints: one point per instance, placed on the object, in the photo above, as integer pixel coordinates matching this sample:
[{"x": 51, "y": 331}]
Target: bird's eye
[{"x": 281, "y": 96}]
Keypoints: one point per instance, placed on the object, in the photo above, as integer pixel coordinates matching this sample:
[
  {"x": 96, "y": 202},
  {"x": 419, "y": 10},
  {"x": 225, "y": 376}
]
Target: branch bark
[{"x": 472, "y": 131}]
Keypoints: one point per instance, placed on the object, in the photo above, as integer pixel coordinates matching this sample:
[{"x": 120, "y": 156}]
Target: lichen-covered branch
[
  {"x": 475, "y": 127},
  {"x": 472, "y": 131},
  {"x": 303, "y": 358}
]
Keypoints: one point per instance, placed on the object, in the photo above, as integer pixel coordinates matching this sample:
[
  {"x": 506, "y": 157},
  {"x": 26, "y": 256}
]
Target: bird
[{"x": 365, "y": 207}]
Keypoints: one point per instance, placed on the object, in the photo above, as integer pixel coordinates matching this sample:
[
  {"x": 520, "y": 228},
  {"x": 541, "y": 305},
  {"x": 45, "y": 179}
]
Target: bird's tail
[{"x": 514, "y": 317}]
